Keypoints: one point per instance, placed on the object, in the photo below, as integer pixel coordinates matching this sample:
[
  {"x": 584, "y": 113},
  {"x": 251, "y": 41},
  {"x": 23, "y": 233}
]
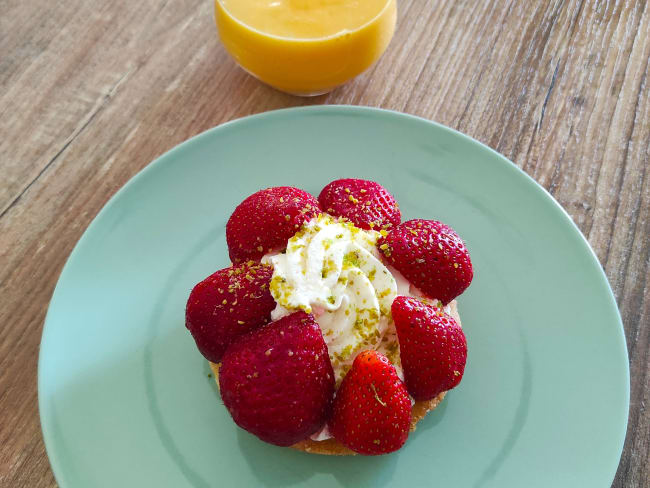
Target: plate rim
[{"x": 366, "y": 111}]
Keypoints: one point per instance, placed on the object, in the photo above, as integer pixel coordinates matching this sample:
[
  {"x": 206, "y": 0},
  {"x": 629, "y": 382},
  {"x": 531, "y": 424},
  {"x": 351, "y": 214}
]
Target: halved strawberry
[
  {"x": 431, "y": 256},
  {"x": 277, "y": 382},
  {"x": 372, "y": 409},
  {"x": 227, "y": 304},
  {"x": 433, "y": 348},
  {"x": 266, "y": 220},
  {"x": 366, "y": 204}
]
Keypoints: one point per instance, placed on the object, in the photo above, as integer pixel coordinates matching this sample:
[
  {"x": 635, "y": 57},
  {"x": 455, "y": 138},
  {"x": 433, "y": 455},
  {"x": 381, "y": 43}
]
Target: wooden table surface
[{"x": 90, "y": 92}]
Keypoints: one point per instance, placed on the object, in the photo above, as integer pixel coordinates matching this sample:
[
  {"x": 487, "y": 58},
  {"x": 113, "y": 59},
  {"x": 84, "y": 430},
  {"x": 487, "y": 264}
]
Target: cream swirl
[{"x": 332, "y": 269}]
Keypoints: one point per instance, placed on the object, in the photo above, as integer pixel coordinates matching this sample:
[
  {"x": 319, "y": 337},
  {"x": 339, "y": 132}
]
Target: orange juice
[{"x": 305, "y": 47}]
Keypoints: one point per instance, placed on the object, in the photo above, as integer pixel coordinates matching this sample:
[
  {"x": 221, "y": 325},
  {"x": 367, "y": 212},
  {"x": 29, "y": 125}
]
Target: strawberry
[
  {"x": 366, "y": 204},
  {"x": 432, "y": 346},
  {"x": 227, "y": 304},
  {"x": 277, "y": 382},
  {"x": 372, "y": 409},
  {"x": 431, "y": 256},
  {"x": 266, "y": 220}
]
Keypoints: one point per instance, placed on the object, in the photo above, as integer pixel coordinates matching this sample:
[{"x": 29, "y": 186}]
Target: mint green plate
[{"x": 126, "y": 400}]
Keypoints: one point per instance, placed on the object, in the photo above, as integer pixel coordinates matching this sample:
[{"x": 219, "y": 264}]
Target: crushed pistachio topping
[
  {"x": 371, "y": 275},
  {"x": 383, "y": 404}
]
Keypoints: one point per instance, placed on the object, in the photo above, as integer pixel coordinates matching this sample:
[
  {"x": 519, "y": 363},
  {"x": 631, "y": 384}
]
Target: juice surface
[
  {"x": 305, "y": 47},
  {"x": 304, "y": 19}
]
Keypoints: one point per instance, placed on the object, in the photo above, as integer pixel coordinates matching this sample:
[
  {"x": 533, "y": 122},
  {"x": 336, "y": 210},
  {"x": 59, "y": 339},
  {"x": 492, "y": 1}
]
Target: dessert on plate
[{"x": 335, "y": 329}]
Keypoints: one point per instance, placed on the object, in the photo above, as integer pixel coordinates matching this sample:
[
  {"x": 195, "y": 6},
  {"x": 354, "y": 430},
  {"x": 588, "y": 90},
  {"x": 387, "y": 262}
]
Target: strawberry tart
[{"x": 335, "y": 329}]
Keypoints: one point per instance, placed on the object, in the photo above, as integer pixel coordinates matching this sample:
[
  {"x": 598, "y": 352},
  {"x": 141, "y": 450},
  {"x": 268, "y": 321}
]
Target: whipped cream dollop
[{"x": 333, "y": 270}]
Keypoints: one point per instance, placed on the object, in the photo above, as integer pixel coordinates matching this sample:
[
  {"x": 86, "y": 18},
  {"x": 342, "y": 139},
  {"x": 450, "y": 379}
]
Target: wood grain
[{"x": 90, "y": 92}]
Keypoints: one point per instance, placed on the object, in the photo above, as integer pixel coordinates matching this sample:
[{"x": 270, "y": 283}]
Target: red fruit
[
  {"x": 277, "y": 382},
  {"x": 266, "y": 220},
  {"x": 366, "y": 204},
  {"x": 372, "y": 409},
  {"x": 432, "y": 347},
  {"x": 227, "y": 304},
  {"x": 431, "y": 256}
]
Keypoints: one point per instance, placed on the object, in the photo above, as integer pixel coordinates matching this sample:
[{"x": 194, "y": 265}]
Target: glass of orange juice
[{"x": 305, "y": 47}]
